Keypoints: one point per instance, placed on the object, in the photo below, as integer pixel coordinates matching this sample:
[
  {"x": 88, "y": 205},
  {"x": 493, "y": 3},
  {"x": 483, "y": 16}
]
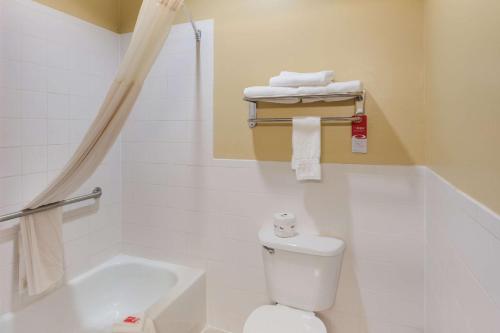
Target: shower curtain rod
[
  {"x": 197, "y": 32},
  {"x": 96, "y": 194}
]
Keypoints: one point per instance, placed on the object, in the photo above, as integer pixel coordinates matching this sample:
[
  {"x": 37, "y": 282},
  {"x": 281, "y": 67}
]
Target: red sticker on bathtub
[
  {"x": 359, "y": 132},
  {"x": 131, "y": 320}
]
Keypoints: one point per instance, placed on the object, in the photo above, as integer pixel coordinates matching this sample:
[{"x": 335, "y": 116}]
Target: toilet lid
[{"x": 282, "y": 319}]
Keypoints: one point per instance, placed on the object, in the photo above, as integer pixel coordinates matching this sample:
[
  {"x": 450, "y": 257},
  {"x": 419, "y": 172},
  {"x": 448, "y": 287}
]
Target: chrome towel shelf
[
  {"x": 289, "y": 120},
  {"x": 96, "y": 194},
  {"x": 358, "y": 97}
]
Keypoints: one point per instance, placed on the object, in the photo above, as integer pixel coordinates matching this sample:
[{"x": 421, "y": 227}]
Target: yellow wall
[
  {"x": 129, "y": 9},
  {"x": 104, "y": 13},
  {"x": 115, "y": 15},
  {"x": 462, "y": 83},
  {"x": 379, "y": 42}
]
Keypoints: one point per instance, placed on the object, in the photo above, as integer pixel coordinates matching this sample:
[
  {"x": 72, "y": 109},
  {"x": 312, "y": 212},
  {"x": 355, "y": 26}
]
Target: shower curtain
[{"x": 41, "y": 264}]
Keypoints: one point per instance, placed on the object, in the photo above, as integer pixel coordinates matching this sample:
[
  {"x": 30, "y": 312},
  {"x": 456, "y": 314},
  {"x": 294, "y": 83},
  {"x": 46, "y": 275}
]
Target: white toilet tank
[{"x": 302, "y": 271}]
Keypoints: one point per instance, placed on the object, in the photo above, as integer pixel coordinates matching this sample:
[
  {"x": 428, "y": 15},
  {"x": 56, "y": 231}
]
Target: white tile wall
[
  {"x": 41, "y": 50},
  {"x": 462, "y": 267},
  {"x": 181, "y": 205}
]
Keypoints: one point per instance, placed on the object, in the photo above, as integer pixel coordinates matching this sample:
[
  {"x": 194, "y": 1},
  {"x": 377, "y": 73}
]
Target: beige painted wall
[
  {"x": 115, "y": 15},
  {"x": 462, "y": 82},
  {"x": 129, "y": 9},
  {"x": 104, "y": 13},
  {"x": 379, "y": 42}
]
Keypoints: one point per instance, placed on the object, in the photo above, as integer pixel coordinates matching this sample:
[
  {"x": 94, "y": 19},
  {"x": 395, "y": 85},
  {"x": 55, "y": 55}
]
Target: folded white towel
[
  {"x": 138, "y": 323},
  {"x": 334, "y": 87},
  {"x": 347, "y": 86},
  {"x": 265, "y": 91},
  {"x": 306, "y": 143},
  {"x": 294, "y": 79}
]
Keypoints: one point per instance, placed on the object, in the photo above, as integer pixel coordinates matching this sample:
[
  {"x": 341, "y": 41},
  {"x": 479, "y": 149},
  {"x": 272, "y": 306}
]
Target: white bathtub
[{"x": 173, "y": 296}]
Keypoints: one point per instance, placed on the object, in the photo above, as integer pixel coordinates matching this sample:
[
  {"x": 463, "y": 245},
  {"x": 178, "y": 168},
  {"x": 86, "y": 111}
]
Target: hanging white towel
[
  {"x": 306, "y": 145},
  {"x": 139, "y": 323},
  {"x": 294, "y": 79},
  {"x": 41, "y": 251}
]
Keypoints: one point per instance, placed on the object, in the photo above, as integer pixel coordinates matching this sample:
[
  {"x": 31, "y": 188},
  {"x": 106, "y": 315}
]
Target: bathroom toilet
[
  {"x": 283, "y": 319},
  {"x": 302, "y": 274}
]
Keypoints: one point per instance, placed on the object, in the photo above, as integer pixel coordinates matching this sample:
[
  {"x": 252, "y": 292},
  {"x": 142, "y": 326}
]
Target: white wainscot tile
[
  {"x": 58, "y": 80},
  {"x": 10, "y": 132},
  {"x": 10, "y": 74},
  {"x": 236, "y": 276},
  {"x": 80, "y": 84},
  {"x": 34, "y": 22},
  {"x": 80, "y": 107},
  {"x": 58, "y": 106},
  {"x": 58, "y": 55},
  {"x": 491, "y": 277},
  {"x": 11, "y": 162},
  {"x": 76, "y": 252},
  {"x": 58, "y": 131},
  {"x": 34, "y": 159},
  {"x": 34, "y": 104},
  {"x": 57, "y": 156},
  {"x": 34, "y": 132},
  {"x": 372, "y": 186},
  {"x": 33, "y": 77},
  {"x": 10, "y": 103},
  {"x": 403, "y": 219},
  {"x": 78, "y": 128},
  {"x": 10, "y": 191},
  {"x": 33, "y": 184},
  {"x": 405, "y": 281},
  {"x": 10, "y": 45},
  {"x": 392, "y": 309},
  {"x": 34, "y": 50},
  {"x": 75, "y": 227},
  {"x": 8, "y": 287}
]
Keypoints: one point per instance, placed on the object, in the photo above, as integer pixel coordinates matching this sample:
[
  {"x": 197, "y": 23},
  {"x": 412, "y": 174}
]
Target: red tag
[
  {"x": 131, "y": 320},
  {"x": 359, "y": 132}
]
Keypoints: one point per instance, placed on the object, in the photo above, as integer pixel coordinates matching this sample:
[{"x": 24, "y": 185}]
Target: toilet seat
[{"x": 282, "y": 319}]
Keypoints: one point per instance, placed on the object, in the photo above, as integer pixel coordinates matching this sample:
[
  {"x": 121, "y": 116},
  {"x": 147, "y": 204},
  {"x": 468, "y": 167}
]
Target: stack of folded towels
[
  {"x": 293, "y": 87},
  {"x": 289, "y": 85}
]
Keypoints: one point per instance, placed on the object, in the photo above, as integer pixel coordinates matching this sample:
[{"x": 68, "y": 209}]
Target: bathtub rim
[{"x": 186, "y": 277}]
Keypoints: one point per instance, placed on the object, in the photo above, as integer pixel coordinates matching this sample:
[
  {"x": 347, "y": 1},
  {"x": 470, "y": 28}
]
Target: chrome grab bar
[{"x": 96, "y": 194}]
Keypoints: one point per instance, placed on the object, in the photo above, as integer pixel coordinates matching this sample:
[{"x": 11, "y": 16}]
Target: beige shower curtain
[{"x": 40, "y": 236}]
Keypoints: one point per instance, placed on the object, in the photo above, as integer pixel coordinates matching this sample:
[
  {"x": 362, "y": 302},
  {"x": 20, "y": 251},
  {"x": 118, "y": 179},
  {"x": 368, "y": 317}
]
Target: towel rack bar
[
  {"x": 289, "y": 120},
  {"x": 334, "y": 97},
  {"x": 96, "y": 194},
  {"x": 358, "y": 97}
]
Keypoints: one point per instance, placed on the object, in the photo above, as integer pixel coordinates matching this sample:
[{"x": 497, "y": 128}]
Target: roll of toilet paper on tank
[{"x": 284, "y": 225}]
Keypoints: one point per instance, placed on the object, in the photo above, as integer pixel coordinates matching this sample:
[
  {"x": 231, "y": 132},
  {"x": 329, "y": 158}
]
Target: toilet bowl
[
  {"x": 282, "y": 319},
  {"x": 302, "y": 274}
]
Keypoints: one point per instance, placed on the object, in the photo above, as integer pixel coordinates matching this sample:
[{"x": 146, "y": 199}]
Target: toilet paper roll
[{"x": 284, "y": 225}]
